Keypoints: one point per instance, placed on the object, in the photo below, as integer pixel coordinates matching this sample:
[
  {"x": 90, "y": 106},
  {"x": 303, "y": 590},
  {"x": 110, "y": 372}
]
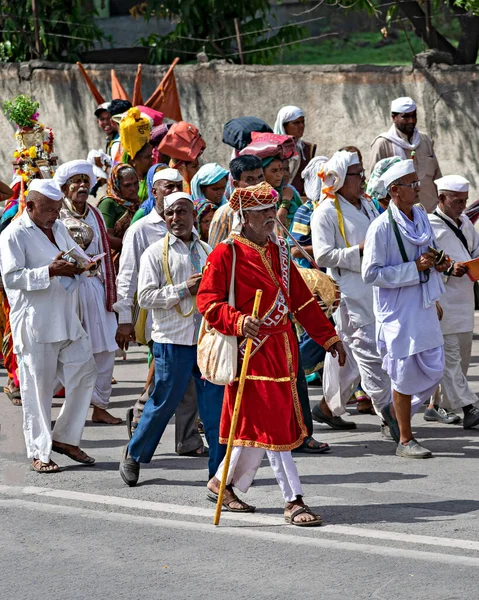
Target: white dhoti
[
  {"x": 245, "y": 462},
  {"x": 455, "y": 390},
  {"x": 40, "y": 365},
  {"x": 417, "y": 375},
  {"x": 363, "y": 364},
  {"x": 100, "y": 326}
]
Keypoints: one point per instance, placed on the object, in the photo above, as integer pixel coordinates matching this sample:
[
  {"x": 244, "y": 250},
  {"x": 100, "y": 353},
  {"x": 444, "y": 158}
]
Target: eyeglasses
[
  {"x": 361, "y": 174},
  {"x": 414, "y": 185}
]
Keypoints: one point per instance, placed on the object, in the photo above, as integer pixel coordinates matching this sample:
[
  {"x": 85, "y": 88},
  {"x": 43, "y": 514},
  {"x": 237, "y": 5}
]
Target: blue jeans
[{"x": 174, "y": 366}]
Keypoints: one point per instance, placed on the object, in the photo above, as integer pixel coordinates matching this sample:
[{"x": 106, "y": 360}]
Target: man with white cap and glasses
[
  {"x": 170, "y": 274},
  {"x": 338, "y": 229},
  {"x": 457, "y": 236},
  {"x": 48, "y": 337},
  {"x": 403, "y": 139},
  {"x": 405, "y": 274},
  {"x": 139, "y": 236}
]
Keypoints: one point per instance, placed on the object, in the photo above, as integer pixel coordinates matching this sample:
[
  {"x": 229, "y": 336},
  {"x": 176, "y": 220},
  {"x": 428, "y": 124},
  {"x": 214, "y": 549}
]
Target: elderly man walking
[
  {"x": 338, "y": 230},
  {"x": 139, "y": 236},
  {"x": 456, "y": 235},
  {"x": 407, "y": 285},
  {"x": 48, "y": 337},
  {"x": 170, "y": 273},
  {"x": 403, "y": 139},
  {"x": 270, "y": 418}
]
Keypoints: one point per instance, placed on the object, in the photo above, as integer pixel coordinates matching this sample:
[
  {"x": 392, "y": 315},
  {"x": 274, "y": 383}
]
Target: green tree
[
  {"x": 62, "y": 30},
  {"x": 209, "y": 26},
  {"x": 450, "y": 26}
]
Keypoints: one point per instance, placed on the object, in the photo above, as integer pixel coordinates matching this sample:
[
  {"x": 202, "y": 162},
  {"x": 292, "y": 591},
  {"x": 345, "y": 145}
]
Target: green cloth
[
  {"x": 140, "y": 213},
  {"x": 111, "y": 211}
]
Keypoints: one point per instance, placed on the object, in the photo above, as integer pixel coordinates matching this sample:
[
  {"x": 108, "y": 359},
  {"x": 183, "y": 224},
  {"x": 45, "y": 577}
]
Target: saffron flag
[
  {"x": 137, "y": 96},
  {"x": 93, "y": 89},
  {"x": 118, "y": 92},
  {"x": 165, "y": 98}
]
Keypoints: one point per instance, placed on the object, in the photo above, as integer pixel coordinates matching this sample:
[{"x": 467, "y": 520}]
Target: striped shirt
[{"x": 301, "y": 229}]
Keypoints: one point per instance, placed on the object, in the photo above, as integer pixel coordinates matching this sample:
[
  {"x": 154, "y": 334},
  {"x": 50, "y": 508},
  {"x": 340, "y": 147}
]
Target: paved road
[{"x": 394, "y": 529}]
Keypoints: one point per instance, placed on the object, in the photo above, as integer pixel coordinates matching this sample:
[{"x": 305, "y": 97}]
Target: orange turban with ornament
[{"x": 254, "y": 197}]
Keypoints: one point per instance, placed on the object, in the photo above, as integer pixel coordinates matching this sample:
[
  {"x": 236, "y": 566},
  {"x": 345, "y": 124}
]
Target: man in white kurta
[
  {"x": 456, "y": 235},
  {"x": 138, "y": 237},
  {"x": 48, "y": 337},
  {"x": 407, "y": 286},
  {"x": 338, "y": 229}
]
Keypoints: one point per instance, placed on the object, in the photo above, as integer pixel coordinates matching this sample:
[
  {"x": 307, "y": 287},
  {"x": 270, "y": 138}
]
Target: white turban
[
  {"x": 286, "y": 115},
  {"x": 47, "y": 187},
  {"x": 168, "y": 175},
  {"x": 403, "y": 105},
  {"x": 452, "y": 183},
  {"x": 72, "y": 168},
  {"x": 397, "y": 171},
  {"x": 333, "y": 173},
  {"x": 312, "y": 183},
  {"x": 172, "y": 198}
]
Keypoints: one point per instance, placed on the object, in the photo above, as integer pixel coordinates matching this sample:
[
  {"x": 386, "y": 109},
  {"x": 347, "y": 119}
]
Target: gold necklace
[{"x": 73, "y": 210}]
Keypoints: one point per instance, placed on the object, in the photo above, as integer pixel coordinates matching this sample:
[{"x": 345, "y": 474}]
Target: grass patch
[{"x": 356, "y": 48}]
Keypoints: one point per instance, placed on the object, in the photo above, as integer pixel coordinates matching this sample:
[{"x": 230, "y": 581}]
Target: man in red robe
[{"x": 270, "y": 418}]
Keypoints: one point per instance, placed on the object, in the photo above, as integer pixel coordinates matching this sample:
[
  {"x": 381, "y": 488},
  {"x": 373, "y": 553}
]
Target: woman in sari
[
  {"x": 97, "y": 286},
  {"x": 209, "y": 184},
  {"x": 149, "y": 203},
  {"x": 205, "y": 211},
  {"x": 119, "y": 205},
  {"x": 188, "y": 170}
]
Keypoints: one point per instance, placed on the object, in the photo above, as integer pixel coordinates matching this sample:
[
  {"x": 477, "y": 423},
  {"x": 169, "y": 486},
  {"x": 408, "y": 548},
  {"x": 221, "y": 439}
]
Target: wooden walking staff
[{"x": 234, "y": 420}]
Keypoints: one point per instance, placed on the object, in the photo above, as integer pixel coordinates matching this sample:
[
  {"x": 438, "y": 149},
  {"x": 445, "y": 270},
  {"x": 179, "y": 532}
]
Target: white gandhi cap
[
  {"x": 403, "y": 105},
  {"x": 452, "y": 183},
  {"x": 396, "y": 171},
  {"x": 168, "y": 175},
  {"x": 172, "y": 198},
  {"x": 47, "y": 187}
]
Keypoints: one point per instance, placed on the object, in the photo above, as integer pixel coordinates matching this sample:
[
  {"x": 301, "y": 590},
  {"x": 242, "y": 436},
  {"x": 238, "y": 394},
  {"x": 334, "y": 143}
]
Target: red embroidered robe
[{"x": 270, "y": 415}]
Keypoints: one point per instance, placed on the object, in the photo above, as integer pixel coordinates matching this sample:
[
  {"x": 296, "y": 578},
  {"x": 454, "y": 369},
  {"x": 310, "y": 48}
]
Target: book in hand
[
  {"x": 81, "y": 258},
  {"x": 472, "y": 269}
]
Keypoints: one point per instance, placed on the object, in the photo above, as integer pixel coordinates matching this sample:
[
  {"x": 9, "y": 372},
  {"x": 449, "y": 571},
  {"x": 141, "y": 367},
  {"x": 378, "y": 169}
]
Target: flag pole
[{"x": 234, "y": 420}]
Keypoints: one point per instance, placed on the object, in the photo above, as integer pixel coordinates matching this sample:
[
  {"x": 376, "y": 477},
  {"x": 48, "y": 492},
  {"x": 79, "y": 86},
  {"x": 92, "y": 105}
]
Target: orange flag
[
  {"x": 137, "y": 96},
  {"x": 93, "y": 89},
  {"x": 165, "y": 98},
  {"x": 118, "y": 92}
]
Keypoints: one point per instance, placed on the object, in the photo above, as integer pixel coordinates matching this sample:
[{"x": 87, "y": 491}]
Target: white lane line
[
  {"x": 264, "y": 536},
  {"x": 256, "y": 519}
]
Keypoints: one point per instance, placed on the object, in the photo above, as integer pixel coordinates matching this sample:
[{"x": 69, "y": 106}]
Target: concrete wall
[{"x": 343, "y": 104}]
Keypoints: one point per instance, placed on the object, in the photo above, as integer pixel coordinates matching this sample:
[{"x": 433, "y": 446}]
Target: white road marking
[
  {"x": 249, "y": 519},
  {"x": 264, "y": 536}
]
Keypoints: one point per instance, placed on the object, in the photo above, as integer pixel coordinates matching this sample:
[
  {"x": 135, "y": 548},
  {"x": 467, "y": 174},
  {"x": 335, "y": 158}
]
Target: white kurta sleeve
[
  {"x": 475, "y": 243},
  {"x": 151, "y": 291},
  {"x": 374, "y": 269},
  {"x": 127, "y": 278},
  {"x": 15, "y": 275},
  {"x": 326, "y": 253}
]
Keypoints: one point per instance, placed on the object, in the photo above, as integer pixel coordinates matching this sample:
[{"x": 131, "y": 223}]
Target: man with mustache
[
  {"x": 48, "y": 337},
  {"x": 403, "y": 139},
  {"x": 270, "y": 417}
]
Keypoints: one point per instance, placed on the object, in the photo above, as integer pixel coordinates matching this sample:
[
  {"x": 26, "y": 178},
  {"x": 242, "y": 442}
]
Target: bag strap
[
  {"x": 339, "y": 214},
  {"x": 397, "y": 233},
  {"x": 231, "y": 294},
  {"x": 456, "y": 230}
]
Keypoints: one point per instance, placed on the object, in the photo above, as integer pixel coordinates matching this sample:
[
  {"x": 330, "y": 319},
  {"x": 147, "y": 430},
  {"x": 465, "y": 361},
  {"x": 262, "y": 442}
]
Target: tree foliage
[
  {"x": 66, "y": 29},
  {"x": 209, "y": 26},
  {"x": 450, "y": 26}
]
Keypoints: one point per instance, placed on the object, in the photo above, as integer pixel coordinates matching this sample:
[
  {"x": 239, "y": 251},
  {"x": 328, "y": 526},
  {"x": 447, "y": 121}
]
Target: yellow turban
[{"x": 135, "y": 130}]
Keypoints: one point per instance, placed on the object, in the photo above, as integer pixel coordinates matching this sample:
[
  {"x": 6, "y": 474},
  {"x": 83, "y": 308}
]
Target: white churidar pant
[
  {"x": 105, "y": 363},
  {"x": 455, "y": 390},
  {"x": 40, "y": 365},
  {"x": 245, "y": 462},
  {"x": 363, "y": 365}
]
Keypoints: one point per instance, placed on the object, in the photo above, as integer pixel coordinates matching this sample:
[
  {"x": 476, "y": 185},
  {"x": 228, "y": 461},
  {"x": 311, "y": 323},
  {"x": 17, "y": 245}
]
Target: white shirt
[
  {"x": 137, "y": 239},
  {"x": 403, "y": 326},
  {"x": 344, "y": 264},
  {"x": 458, "y": 301},
  {"x": 155, "y": 293},
  {"x": 38, "y": 303}
]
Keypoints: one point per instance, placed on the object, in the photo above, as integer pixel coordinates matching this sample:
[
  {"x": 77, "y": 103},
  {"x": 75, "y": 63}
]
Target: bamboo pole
[
  {"x": 309, "y": 258},
  {"x": 234, "y": 420}
]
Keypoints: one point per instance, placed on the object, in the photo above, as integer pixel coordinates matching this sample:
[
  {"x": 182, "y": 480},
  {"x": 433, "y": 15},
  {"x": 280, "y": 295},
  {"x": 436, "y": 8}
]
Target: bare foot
[
  {"x": 304, "y": 517},
  {"x": 100, "y": 415},
  {"x": 325, "y": 408},
  {"x": 230, "y": 499}
]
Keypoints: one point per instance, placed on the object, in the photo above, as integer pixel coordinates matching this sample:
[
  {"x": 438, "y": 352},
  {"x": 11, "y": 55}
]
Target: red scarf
[{"x": 107, "y": 261}]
